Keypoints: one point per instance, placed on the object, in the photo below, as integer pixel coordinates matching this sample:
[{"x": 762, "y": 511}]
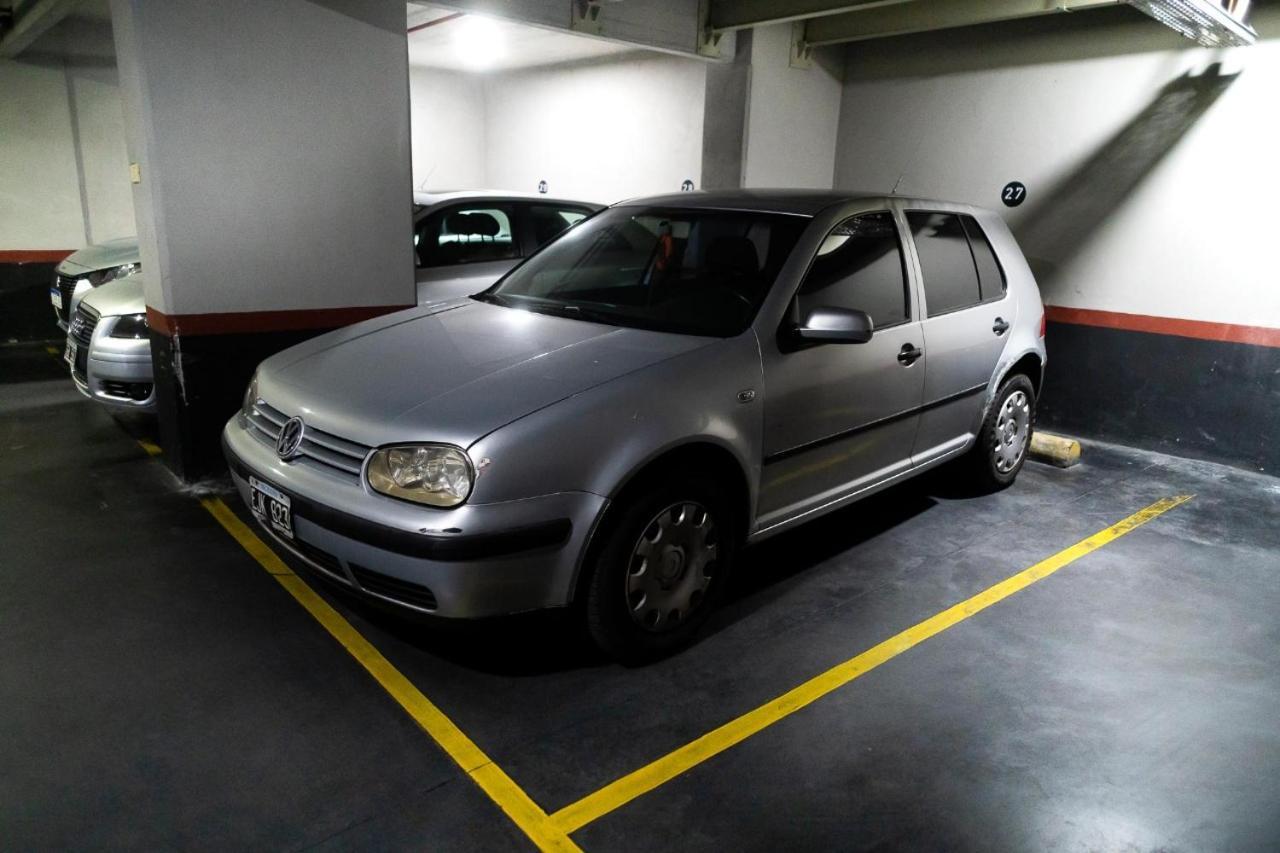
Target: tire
[
  {"x": 660, "y": 569},
  {"x": 1005, "y": 436}
]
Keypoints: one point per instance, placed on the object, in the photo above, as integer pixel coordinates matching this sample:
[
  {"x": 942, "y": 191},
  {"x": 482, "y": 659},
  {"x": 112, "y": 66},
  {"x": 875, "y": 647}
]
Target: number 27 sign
[{"x": 1013, "y": 194}]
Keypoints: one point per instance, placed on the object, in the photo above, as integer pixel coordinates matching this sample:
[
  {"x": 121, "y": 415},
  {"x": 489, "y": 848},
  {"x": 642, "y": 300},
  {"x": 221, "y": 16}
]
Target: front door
[{"x": 840, "y": 417}]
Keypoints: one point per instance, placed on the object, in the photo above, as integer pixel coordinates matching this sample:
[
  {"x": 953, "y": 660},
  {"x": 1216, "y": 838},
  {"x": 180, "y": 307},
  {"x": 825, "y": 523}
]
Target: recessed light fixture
[{"x": 478, "y": 43}]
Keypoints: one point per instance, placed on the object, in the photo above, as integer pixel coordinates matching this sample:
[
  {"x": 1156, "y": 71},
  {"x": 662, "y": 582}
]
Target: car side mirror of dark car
[{"x": 826, "y": 325}]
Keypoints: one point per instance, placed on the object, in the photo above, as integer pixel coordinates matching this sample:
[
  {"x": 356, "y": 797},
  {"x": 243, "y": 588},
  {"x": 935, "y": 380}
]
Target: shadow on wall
[{"x": 1069, "y": 212}]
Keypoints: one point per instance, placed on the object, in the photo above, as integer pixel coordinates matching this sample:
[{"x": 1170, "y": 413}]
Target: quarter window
[
  {"x": 465, "y": 235},
  {"x": 859, "y": 266},
  {"x": 549, "y": 221},
  {"x": 991, "y": 282}
]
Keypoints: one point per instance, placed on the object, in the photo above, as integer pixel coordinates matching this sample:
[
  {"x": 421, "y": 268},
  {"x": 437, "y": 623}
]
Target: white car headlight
[
  {"x": 101, "y": 277},
  {"x": 432, "y": 474}
]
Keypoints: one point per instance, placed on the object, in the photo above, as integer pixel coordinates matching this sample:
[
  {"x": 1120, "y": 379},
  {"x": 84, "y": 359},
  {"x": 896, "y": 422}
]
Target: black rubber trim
[
  {"x": 430, "y": 546},
  {"x": 849, "y": 433}
]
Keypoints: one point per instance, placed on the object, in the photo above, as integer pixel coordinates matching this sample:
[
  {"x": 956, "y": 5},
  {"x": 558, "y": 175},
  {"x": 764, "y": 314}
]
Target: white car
[{"x": 463, "y": 242}]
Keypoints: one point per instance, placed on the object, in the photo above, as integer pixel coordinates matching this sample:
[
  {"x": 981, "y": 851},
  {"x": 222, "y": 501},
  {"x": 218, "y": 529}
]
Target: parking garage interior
[{"x": 1083, "y": 658}]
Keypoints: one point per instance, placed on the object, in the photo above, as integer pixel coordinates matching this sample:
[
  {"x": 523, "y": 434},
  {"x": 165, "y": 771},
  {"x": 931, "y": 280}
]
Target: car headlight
[
  {"x": 101, "y": 277},
  {"x": 250, "y": 395},
  {"x": 130, "y": 326},
  {"x": 432, "y": 474}
]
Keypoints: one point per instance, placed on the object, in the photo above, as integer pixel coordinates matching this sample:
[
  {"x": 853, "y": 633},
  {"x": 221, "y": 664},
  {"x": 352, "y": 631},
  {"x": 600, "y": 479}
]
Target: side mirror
[{"x": 825, "y": 325}]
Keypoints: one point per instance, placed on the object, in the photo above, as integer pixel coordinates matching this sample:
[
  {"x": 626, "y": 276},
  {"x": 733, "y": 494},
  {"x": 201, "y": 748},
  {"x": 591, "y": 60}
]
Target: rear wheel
[
  {"x": 1005, "y": 436},
  {"x": 663, "y": 563}
]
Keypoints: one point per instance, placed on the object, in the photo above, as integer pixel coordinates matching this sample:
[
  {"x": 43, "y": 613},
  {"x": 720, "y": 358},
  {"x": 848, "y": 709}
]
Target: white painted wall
[
  {"x": 1144, "y": 223},
  {"x": 99, "y": 115},
  {"x": 41, "y": 204},
  {"x": 600, "y": 131},
  {"x": 39, "y": 187},
  {"x": 448, "y": 120},
  {"x": 792, "y": 115}
]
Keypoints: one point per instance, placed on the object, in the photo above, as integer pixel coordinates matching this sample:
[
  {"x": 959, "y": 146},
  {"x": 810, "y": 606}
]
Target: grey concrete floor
[{"x": 158, "y": 689}]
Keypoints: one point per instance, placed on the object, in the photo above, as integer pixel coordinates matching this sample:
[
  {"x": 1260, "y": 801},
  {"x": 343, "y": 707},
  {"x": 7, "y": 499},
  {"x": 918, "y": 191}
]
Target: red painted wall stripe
[
  {"x": 1256, "y": 335},
  {"x": 248, "y": 322},
  {"x": 33, "y": 256}
]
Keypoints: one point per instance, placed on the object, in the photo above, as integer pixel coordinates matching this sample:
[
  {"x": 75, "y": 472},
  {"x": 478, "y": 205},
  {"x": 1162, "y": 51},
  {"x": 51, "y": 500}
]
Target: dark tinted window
[
  {"x": 698, "y": 272},
  {"x": 859, "y": 265},
  {"x": 465, "y": 235},
  {"x": 990, "y": 276},
  {"x": 950, "y": 278},
  {"x": 549, "y": 221}
]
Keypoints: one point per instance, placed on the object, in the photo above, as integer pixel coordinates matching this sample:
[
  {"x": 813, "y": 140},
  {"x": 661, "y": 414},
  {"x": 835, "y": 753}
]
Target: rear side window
[
  {"x": 950, "y": 278},
  {"x": 991, "y": 282},
  {"x": 859, "y": 265},
  {"x": 465, "y": 235},
  {"x": 548, "y": 221}
]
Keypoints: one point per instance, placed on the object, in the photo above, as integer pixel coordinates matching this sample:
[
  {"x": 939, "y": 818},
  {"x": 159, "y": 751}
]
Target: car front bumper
[
  {"x": 117, "y": 372},
  {"x": 474, "y": 561}
]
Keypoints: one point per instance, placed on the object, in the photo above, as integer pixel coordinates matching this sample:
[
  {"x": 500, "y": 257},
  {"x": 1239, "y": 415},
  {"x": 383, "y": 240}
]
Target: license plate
[
  {"x": 271, "y": 506},
  {"x": 70, "y": 355},
  {"x": 55, "y": 296}
]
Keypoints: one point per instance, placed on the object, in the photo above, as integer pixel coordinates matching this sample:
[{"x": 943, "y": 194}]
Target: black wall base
[
  {"x": 26, "y": 314},
  {"x": 200, "y": 383},
  {"x": 1208, "y": 400}
]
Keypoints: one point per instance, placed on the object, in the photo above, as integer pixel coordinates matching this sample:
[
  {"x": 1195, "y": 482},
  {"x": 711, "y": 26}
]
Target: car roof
[
  {"x": 430, "y": 198},
  {"x": 801, "y": 202}
]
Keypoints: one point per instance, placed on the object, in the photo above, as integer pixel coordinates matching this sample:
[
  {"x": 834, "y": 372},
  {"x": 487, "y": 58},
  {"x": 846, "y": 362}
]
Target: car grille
[
  {"x": 318, "y": 447},
  {"x": 397, "y": 590},
  {"x": 81, "y": 332},
  {"x": 66, "y": 286}
]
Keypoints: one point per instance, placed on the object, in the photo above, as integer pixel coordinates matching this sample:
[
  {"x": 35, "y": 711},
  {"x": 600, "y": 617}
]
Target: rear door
[
  {"x": 967, "y": 315},
  {"x": 463, "y": 248}
]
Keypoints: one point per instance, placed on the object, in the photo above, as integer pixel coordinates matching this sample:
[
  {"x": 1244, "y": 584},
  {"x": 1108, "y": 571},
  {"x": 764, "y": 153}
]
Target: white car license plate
[
  {"x": 70, "y": 355},
  {"x": 55, "y": 297},
  {"x": 271, "y": 506}
]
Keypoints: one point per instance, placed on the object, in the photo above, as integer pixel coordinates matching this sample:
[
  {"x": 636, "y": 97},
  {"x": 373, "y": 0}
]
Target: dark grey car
[{"x": 673, "y": 379}]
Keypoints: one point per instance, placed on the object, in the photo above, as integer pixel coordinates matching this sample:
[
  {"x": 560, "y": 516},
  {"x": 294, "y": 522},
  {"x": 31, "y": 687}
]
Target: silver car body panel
[
  {"x": 555, "y": 409},
  {"x": 90, "y": 259}
]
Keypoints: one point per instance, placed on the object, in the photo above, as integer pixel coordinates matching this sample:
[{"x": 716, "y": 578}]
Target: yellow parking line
[
  {"x": 151, "y": 448},
  {"x": 633, "y": 785},
  {"x": 509, "y": 797},
  {"x": 54, "y": 351}
]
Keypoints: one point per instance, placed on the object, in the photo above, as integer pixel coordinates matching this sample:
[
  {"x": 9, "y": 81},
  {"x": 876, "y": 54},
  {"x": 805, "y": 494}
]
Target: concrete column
[
  {"x": 273, "y": 195},
  {"x": 724, "y": 118}
]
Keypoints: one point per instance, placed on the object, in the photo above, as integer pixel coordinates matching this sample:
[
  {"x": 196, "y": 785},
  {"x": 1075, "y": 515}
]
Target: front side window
[
  {"x": 697, "y": 272},
  {"x": 859, "y": 266},
  {"x": 466, "y": 235}
]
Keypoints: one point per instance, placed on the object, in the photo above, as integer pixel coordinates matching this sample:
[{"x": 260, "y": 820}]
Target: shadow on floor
[{"x": 537, "y": 644}]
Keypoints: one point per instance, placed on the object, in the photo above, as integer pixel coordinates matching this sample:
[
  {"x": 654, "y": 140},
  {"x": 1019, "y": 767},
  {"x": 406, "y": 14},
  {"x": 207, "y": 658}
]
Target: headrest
[
  {"x": 484, "y": 224},
  {"x": 733, "y": 254}
]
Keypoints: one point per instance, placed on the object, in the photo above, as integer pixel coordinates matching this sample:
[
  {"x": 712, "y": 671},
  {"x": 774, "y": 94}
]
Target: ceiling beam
[
  {"x": 727, "y": 15},
  {"x": 32, "y": 21},
  {"x": 922, "y": 15}
]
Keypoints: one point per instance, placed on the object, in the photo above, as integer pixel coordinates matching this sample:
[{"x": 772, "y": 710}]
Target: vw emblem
[{"x": 290, "y": 438}]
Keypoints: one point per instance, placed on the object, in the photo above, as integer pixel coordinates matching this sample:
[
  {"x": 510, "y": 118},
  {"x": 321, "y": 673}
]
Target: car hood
[
  {"x": 112, "y": 253},
  {"x": 452, "y": 372},
  {"x": 123, "y": 296}
]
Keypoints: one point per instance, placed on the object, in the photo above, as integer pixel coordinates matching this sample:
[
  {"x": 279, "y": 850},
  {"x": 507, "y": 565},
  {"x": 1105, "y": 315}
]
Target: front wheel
[
  {"x": 1005, "y": 436},
  {"x": 663, "y": 563}
]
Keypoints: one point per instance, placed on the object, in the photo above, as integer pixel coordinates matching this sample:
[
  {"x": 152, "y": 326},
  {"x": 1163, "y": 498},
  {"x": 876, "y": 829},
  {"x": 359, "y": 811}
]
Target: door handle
[
  {"x": 908, "y": 354},
  {"x": 1000, "y": 326}
]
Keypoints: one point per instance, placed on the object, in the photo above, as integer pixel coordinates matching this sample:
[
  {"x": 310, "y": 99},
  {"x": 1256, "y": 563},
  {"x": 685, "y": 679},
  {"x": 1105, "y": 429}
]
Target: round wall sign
[
  {"x": 542, "y": 187},
  {"x": 1013, "y": 194}
]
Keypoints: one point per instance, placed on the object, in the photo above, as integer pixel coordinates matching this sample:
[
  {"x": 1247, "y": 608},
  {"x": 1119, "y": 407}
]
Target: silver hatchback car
[{"x": 674, "y": 378}]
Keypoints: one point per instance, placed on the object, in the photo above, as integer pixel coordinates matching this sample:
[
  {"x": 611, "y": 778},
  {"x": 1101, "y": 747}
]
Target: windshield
[{"x": 696, "y": 272}]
